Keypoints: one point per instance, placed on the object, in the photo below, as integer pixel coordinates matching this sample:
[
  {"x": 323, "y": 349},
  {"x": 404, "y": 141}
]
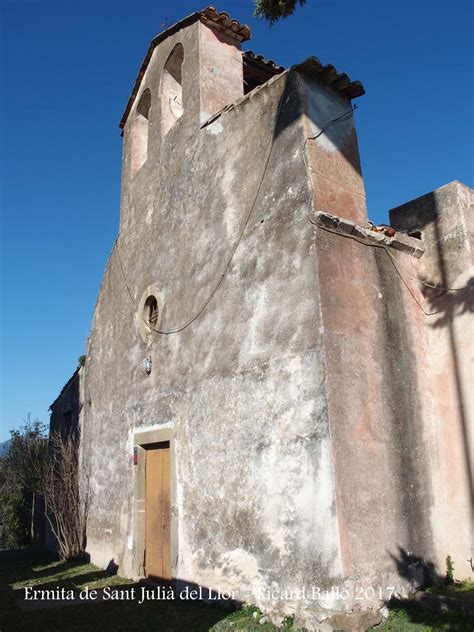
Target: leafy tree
[
  {"x": 27, "y": 457},
  {"x": 16, "y": 518},
  {"x": 21, "y": 472},
  {"x": 273, "y": 10}
]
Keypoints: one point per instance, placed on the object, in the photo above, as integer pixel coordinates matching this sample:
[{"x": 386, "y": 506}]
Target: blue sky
[{"x": 67, "y": 71}]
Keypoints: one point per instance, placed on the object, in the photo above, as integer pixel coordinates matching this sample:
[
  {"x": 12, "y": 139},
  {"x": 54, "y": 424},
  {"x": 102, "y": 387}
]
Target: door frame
[{"x": 143, "y": 440}]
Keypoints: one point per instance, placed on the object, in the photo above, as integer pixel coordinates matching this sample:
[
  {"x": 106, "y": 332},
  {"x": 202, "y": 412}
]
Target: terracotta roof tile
[
  {"x": 329, "y": 76},
  {"x": 208, "y": 16},
  {"x": 222, "y": 21},
  {"x": 261, "y": 67},
  {"x": 269, "y": 63}
]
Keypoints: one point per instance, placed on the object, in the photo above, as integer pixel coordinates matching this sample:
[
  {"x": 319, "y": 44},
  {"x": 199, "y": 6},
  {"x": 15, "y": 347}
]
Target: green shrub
[
  {"x": 17, "y": 518},
  {"x": 449, "y": 570}
]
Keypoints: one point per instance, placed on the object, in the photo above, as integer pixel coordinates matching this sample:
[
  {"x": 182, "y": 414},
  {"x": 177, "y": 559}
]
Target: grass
[
  {"x": 406, "y": 616},
  {"x": 459, "y": 590},
  {"x": 19, "y": 569}
]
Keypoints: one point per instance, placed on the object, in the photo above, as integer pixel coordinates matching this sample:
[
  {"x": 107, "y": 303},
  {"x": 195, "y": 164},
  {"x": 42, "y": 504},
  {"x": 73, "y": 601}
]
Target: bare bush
[
  {"x": 66, "y": 503},
  {"x": 49, "y": 467}
]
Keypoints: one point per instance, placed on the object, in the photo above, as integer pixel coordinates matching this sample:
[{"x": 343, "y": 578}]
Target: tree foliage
[
  {"x": 20, "y": 481},
  {"x": 27, "y": 457},
  {"x": 273, "y": 10},
  {"x": 47, "y": 466},
  {"x": 16, "y": 518}
]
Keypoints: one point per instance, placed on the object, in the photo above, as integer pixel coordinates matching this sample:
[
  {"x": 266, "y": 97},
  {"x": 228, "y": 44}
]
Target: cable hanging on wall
[
  {"x": 232, "y": 252},
  {"x": 343, "y": 117},
  {"x": 392, "y": 259}
]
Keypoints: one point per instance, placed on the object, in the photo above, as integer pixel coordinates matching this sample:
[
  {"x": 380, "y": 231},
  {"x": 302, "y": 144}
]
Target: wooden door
[{"x": 157, "y": 534}]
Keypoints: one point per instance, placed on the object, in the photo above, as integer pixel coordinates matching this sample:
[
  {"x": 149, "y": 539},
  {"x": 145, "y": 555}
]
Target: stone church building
[{"x": 277, "y": 394}]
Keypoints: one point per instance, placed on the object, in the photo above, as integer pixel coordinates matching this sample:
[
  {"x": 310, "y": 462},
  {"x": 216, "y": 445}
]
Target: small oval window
[{"x": 151, "y": 313}]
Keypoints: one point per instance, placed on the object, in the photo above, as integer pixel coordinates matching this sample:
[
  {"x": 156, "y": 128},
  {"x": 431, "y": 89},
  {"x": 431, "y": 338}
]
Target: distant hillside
[{"x": 4, "y": 447}]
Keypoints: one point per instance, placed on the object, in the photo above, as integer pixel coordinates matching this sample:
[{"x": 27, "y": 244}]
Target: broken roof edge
[
  {"x": 244, "y": 98},
  {"x": 341, "y": 226},
  {"x": 310, "y": 66},
  {"x": 209, "y": 17}
]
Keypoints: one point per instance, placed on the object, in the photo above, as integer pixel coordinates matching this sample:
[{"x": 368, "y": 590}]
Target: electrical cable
[
  {"x": 343, "y": 117},
  {"x": 392, "y": 259},
  {"x": 232, "y": 253},
  {"x": 444, "y": 289}
]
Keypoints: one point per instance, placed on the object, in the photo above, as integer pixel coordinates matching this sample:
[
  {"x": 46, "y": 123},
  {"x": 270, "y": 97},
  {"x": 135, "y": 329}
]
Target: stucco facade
[{"x": 317, "y": 412}]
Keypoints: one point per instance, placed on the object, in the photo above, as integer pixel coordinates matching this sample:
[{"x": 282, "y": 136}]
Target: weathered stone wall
[
  {"x": 372, "y": 378},
  {"x": 66, "y": 418},
  {"x": 66, "y": 409},
  {"x": 313, "y": 408},
  {"x": 243, "y": 385},
  {"x": 444, "y": 219},
  {"x": 383, "y": 495},
  {"x": 333, "y": 153}
]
